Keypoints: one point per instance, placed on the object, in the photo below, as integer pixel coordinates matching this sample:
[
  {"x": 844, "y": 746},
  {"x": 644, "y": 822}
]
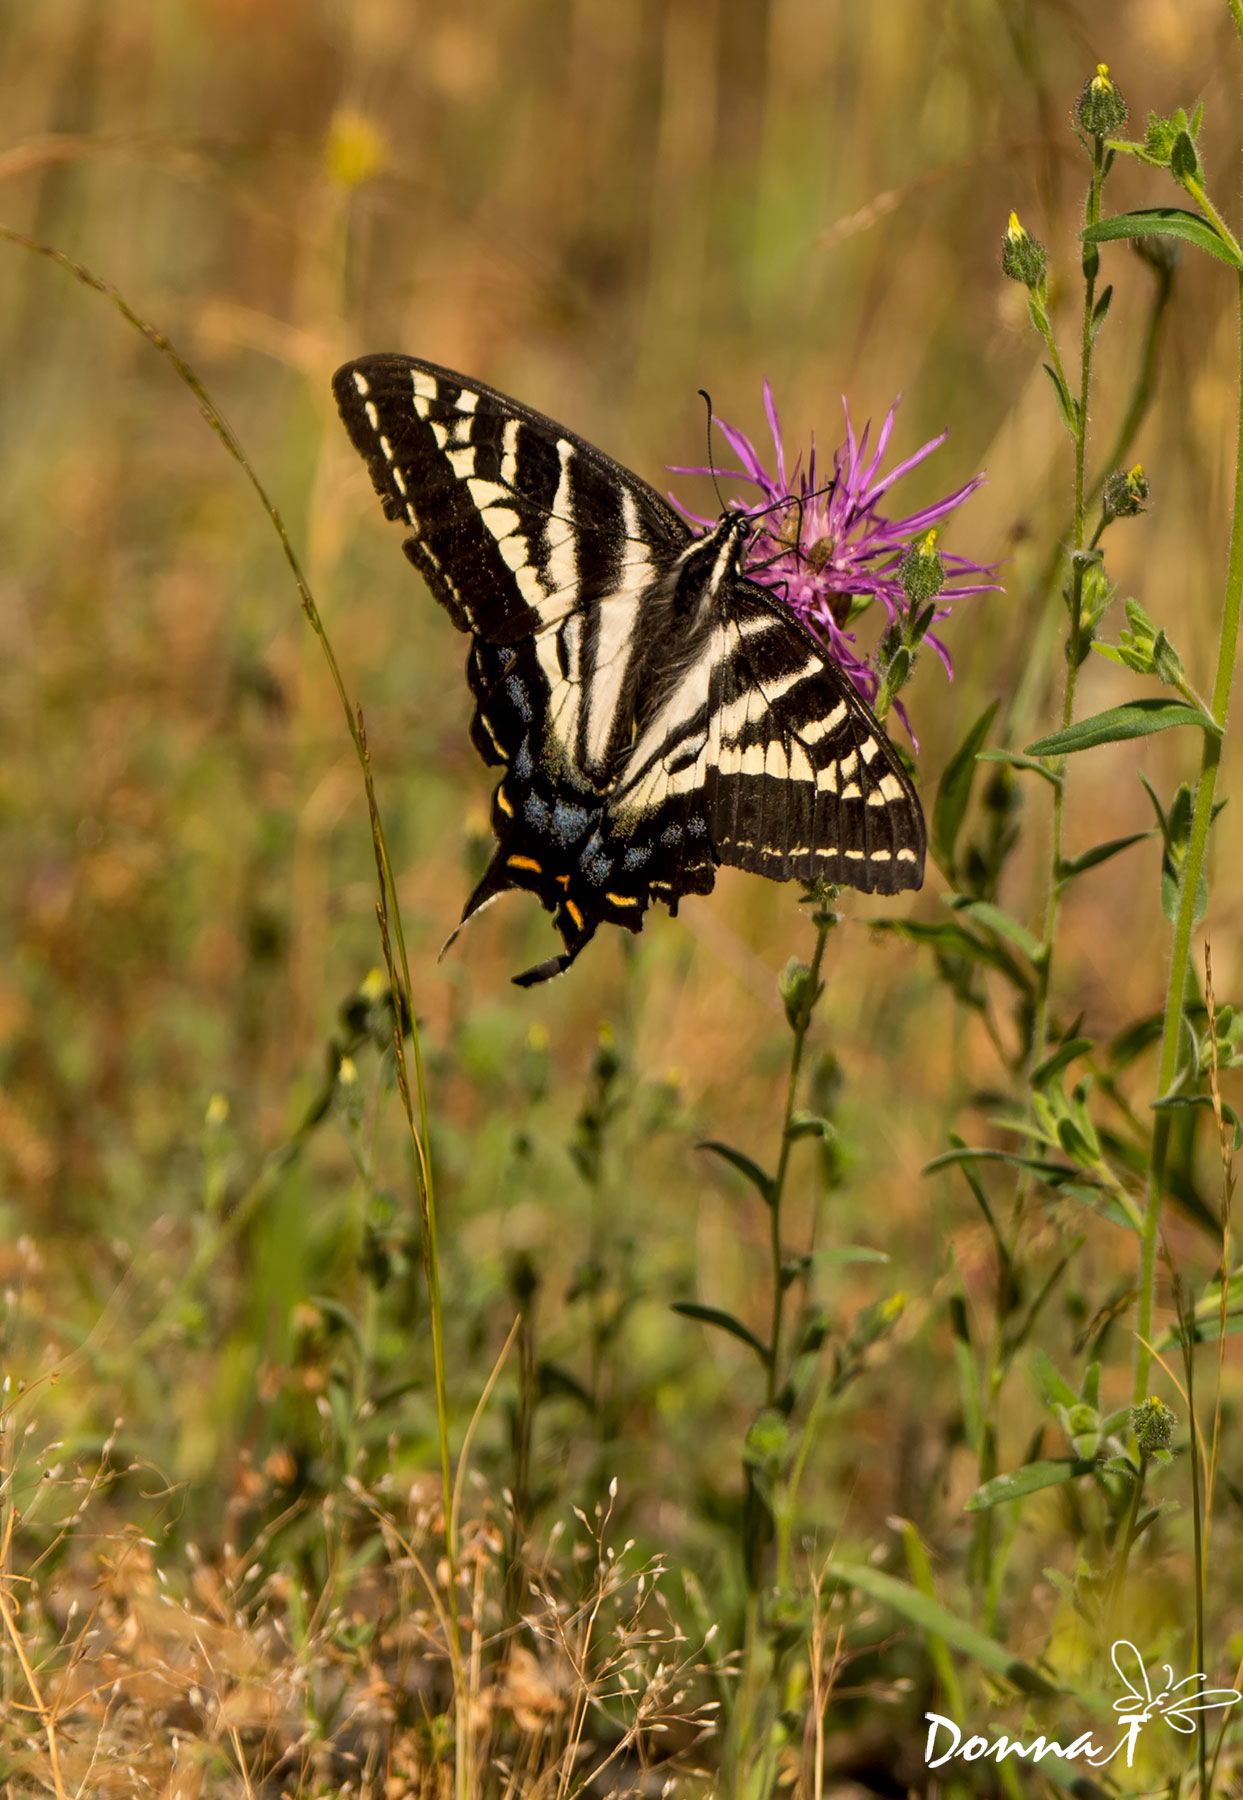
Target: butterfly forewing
[{"x": 654, "y": 712}]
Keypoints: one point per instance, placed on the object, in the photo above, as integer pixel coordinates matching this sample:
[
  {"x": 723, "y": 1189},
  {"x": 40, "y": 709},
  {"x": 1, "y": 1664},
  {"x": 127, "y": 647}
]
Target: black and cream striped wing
[
  {"x": 803, "y": 781},
  {"x": 522, "y": 531},
  {"x": 764, "y": 740}
]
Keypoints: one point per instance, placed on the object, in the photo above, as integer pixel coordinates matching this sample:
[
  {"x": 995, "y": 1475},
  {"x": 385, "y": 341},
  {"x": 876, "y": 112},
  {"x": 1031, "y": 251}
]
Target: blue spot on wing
[
  {"x": 518, "y": 697},
  {"x": 568, "y": 822}
]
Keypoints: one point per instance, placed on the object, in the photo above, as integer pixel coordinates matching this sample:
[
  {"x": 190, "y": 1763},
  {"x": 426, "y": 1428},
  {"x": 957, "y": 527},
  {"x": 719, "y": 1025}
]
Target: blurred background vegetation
[{"x": 600, "y": 208}]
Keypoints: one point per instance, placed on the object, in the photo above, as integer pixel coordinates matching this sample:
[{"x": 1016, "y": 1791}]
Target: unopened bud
[
  {"x": 1100, "y": 109},
  {"x": 798, "y": 992},
  {"x": 1022, "y": 257},
  {"x": 921, "y": 571},
  {"x": 1124, "y": 493},
  {"x": 1153, "y": 1424}
]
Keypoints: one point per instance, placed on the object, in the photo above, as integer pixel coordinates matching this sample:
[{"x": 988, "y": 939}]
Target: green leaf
[
  {"x": 1054, "y": 1386},
  {"x": 712, "y": 1315},
  {"x": 1099, "y": 853},
  {"x": 1099, "y": 312},
  {"x": 955, "y": 940},
  {"x": 928, "y": 1615},
  {"x": 1065, "y": 405},
  {"x": 557, "y": 1383},
  {"x": 1180, "y": 1101},
  {"x": 845, "y": 1253},
  {"x": 1136, "y": 719},
  {"x": 762, "y": 1183},
  {"x": 1206, "y": 1319},
  {"x": 1184, "y": 163},
  {"x": 1065, "y": 1054},
  {"x": 1164, "y": 221},
  {"x": 806, "y": 1124},
  {"x": 1051, "y": 1172},
  {"x": 1016, "y": 761},
  {"x": 1021, "y": 1482},
  {"x": 985, "y": 913},
  {"x": 954, "y": 790},
  {"x": 968, "y": 1376},
  {"x": 1135, "y": 1039}
]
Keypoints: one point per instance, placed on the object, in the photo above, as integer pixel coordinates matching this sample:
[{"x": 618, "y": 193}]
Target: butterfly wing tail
[{"x": 576, "y": 927}]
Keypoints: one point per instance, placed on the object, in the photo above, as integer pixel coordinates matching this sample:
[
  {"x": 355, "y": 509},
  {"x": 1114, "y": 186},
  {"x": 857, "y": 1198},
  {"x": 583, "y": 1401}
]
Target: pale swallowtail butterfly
[{"x": 655, "y": 713}]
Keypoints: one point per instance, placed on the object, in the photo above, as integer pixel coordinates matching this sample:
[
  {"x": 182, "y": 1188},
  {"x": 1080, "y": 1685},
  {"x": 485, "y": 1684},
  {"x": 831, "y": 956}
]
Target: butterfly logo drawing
[
  {"x": 654, "y": 711},
  {"x": 1177, "y": 1702}
]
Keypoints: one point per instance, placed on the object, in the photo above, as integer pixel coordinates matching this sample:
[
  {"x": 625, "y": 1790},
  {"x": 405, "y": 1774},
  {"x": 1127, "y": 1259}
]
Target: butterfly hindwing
[
  {"x": 804, "y": 783},
  {"x": 653, "y": 712}
]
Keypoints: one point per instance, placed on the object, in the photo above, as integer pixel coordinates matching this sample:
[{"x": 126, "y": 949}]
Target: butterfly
[{"x": 654, "y": 713}]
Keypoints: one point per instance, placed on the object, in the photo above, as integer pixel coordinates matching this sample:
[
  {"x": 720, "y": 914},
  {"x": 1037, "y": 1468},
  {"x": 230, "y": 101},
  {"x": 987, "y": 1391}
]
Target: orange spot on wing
[
  {"x": 574, "y": 914},
  {"x": 524, "y": 862}
]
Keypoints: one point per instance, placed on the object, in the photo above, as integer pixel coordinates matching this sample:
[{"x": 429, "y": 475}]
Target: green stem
[
  {"x": 1127, "y": 1541},
  {"x": 1184, "y": 924},
  {"x": 1236, "y": 13},
  {"x": 1200, "y": 195},
  {"x": 1024, "y": 703},
  {"x": 824, "y": 924},
  {"x": 1073, "y": 658}
]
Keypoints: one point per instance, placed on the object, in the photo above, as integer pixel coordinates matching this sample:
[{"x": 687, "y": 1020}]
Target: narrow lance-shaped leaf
[
  {"x": 1135, "y": 719},
  {"x": 955, "y": 940},
  {"x": 713, "y": 1315},
  {"x": 1099, "y": 853},
  {"x": 954, "y": 789},
  {"x": 929, "y": 1615},
  {"x": 1065, "y": 405},
  {"x": 985, "y": 913},
  {"x": 1065, "y": 1054},
  {"x": 1164, "y": 221},
  {"x": 1021, "y": 1482},
  {"x": 1026, "y": 763},
  {"x": 744, "y": 1164}
]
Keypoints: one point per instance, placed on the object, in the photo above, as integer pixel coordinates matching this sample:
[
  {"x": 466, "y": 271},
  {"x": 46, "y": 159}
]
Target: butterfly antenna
[{"x": 706, "y": 397}]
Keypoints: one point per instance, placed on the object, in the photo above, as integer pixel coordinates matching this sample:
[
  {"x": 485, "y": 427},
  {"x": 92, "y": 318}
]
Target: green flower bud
[
  {"x": 1125, "y": 493},
  {"x": 1153, "y": 1424},
  {"x": 1100, "y": 110},
  {"x": 1022, "y": 257},
  {"x": 921, "y": 571},
  {"x": 1166, "y": 661},
  {"x": 1184, "y": 163},
  {"x": 794, "y": 984},
  {"x": 1163, "y": 139}
]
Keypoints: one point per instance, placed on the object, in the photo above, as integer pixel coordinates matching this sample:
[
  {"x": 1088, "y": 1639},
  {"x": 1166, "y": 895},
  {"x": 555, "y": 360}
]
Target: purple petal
[{"x": 774, "y": 425}]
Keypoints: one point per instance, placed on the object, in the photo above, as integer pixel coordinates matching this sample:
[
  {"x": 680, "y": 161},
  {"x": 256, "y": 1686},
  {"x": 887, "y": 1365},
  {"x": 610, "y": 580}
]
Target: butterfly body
[{"x": 655, "y": 713}]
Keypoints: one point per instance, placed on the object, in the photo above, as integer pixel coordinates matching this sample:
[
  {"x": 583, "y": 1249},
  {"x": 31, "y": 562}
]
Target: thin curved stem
[
  {"x": 1073, "y": 647},
  {"x": 1184, "y": 923},
  {"x": 824, "y": 924},
  {"x": 387, "y": 909}
]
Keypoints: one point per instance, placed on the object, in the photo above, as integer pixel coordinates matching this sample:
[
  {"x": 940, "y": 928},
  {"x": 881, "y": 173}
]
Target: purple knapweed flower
[{"x": 827, "y": 549}]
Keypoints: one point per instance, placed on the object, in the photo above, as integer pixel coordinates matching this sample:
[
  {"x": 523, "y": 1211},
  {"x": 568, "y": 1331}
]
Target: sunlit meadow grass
[{"x": 672, "y": 1565}]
